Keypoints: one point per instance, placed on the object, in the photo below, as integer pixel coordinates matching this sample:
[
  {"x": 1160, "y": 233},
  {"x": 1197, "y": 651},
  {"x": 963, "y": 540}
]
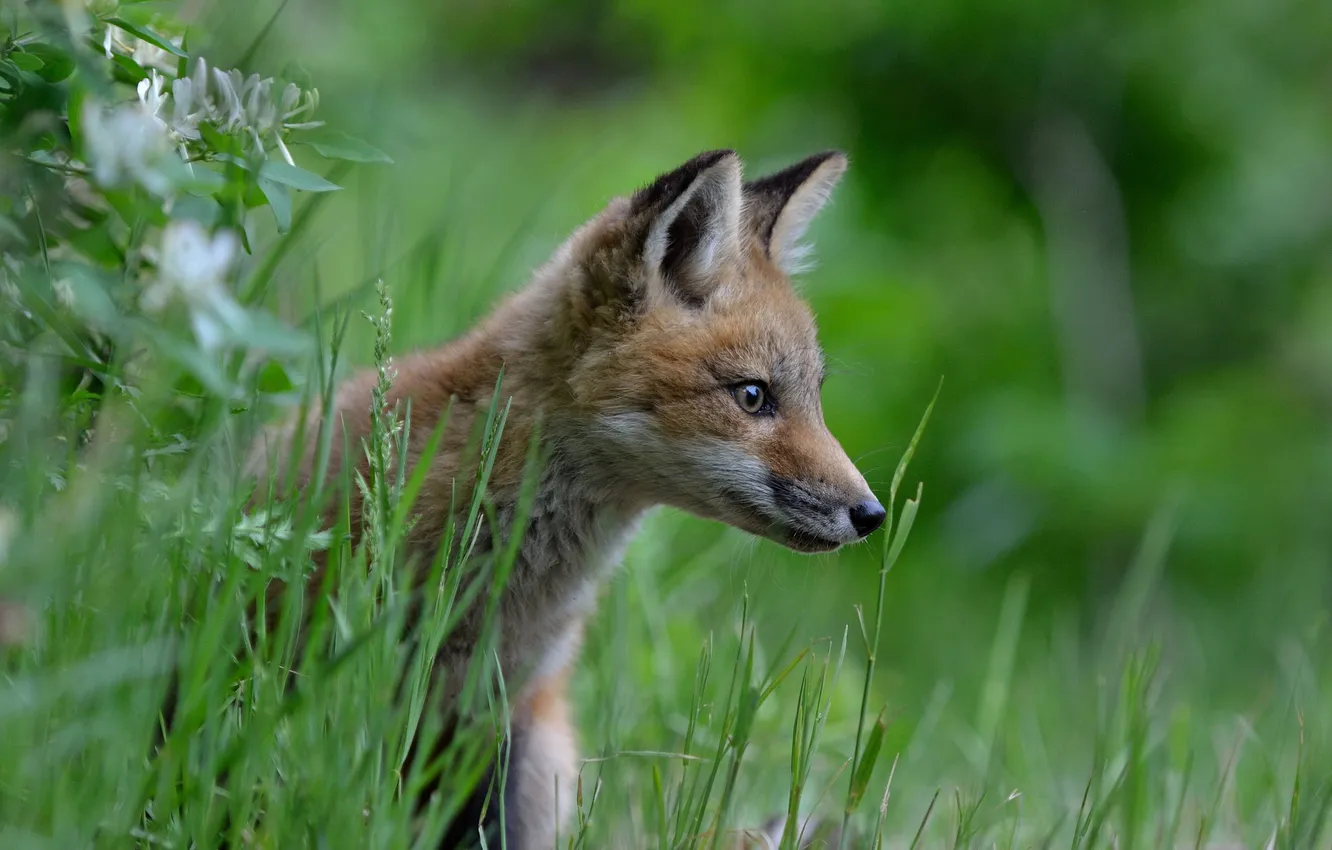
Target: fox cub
[{"x": 670, "y": 362}]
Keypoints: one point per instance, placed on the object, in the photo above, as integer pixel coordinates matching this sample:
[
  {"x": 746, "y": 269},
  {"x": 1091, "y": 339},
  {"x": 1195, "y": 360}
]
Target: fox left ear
[
  {"x": 781, "y": 206},
  {"x": 692, "y": 223}
]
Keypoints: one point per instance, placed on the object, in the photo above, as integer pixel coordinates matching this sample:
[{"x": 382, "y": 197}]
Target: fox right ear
[
  {"x": 692, "y": 223},
  {"x": 780, "y": 207}
]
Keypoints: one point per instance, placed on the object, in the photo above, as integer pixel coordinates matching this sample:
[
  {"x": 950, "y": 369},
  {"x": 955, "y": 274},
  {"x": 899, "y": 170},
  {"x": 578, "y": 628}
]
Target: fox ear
[
  {"x": 692, "y": 217},
  {"x": 781, "y": 206}
]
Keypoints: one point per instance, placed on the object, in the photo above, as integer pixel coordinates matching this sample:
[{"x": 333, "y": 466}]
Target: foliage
[
  {"x": 1105, "y": 226},
  {"x": 133, "y": 173}
]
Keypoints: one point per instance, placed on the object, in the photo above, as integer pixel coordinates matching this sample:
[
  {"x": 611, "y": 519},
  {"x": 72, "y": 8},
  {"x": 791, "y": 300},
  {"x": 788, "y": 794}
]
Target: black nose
[{"x": 867, "y": 516}]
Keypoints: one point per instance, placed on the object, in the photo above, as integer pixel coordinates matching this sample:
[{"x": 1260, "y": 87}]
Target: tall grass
[
  {"x": 136, "y": 563},
  {"x": 134, "y": 554}
]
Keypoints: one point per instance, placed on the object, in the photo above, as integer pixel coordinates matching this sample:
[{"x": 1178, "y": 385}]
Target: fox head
[{"x": 699, "y": 368}]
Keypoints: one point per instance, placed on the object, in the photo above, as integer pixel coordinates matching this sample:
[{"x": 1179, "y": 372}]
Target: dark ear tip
[
  {"x": 824, "y": 156},
  {"x": 702, "y": 162},
  {"x": 667, "y": 186},
  {"x": 798, "y": 172},
  {"x": 708, "y": 159}
]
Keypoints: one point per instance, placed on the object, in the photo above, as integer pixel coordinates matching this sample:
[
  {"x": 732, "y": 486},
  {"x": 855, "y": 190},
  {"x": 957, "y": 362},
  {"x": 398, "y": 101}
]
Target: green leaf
[
  {"x": 96, "y": 244},
  {"x": 334, "y": 145},
  {"x": 57, "y": 65},
  {"x": 91, "y": 300},
  {"x": 127, "y": 70},
  {"x": 134, "y": 207},
  {"x": 295, "y": 177},
  {"x": 11, "y": 78},
  {"x": 189, "y": 357},
  {"x": 203, "y": 209},
  {"x": 248, "y": 56},
  {"x": 191, "y": 177},
  {"x": 265, "y": 331},
  {"x": 900, "y": 472},
  {"x": 279, "y": 198},
  {"x": 217, "y": 141},
  {"x": 861, "y": 778},
  {"x": 77, "y": 95},
  {"x": 27, "y": 61},
  {"x": 148, "y": 36},
  {"x": 292, "y": 72},
  {"x": 273, "y": 378},
  {"x": 44, "y": 157},
  {"x": 905, "y": 519},
  {"x": 253, "y": 196},
  {"x": 182, "y": 66},
  {"x": 10, "y": 231},
  {"x": 200, "y": 180}
]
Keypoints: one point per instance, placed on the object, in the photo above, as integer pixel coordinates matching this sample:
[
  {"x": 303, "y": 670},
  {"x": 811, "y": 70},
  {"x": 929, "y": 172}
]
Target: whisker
[{"x": 898, "y": 447}]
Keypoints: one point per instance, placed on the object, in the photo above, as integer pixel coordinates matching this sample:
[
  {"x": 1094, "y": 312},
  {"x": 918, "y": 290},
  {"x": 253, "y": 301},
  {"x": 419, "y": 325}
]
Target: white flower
[
  {"x": 187, "y": 109},
  {"x": 145, "y": 54},
  {"x": 227, "y": 86},
  {"x": 235, "y": 105},
  {"x": 152, "y": 96},
  {"x": 127, "y": 142},
  {"x": 193, "y": 266},
  {"x": 149, "y": 55}
]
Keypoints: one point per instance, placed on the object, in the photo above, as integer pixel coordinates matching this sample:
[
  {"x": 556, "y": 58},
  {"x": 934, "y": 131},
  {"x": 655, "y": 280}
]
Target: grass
[
  {"x": 137, "y": 563},
  {"x": 706, "y": 702}
]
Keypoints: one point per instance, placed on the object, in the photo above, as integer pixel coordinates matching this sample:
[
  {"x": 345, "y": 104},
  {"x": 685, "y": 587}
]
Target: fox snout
[{"x": 821, "y": 517}]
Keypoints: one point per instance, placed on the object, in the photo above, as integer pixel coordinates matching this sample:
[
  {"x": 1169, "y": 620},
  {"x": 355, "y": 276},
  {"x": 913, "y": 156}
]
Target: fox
[{"x": 661, "y": 357}]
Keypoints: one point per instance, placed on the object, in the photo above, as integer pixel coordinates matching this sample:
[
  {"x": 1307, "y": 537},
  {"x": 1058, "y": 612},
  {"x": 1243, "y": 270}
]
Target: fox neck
[
  {"x": 581, "y": 518},
  {"x": 574, "y": 536}
]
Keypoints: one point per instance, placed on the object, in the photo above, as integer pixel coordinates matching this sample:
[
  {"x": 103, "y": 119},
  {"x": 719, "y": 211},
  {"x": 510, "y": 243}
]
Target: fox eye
[{"x": 752, "y": 396}]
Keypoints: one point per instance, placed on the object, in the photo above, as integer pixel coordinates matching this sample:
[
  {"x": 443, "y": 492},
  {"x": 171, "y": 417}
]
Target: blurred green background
[{"x": 1105, "y": 226}]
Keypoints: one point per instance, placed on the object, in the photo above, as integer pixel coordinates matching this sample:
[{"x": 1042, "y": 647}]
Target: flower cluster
[
  {"x": 251, "y": 107},
  {"x": 134, "y": 141},
  {"x": 141, "y": 141},
  {"x": 161, "y": 179}
]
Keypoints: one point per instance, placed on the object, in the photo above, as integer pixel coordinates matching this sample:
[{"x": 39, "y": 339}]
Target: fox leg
[{"x": 543, "y": 767}]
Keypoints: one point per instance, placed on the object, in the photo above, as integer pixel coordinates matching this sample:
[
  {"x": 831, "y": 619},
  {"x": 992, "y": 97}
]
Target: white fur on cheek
[{"x": 704, "y": 471}]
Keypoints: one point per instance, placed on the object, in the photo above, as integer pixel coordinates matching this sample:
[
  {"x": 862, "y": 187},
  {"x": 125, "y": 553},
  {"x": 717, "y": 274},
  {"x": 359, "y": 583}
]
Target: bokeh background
[{"x": 1104, "y": 226}]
